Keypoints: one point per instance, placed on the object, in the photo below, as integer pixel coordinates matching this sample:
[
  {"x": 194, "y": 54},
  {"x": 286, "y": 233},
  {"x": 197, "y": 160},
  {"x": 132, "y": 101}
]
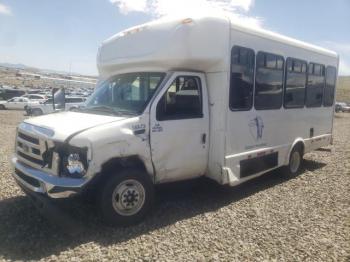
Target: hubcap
[
  {"x": 128, "y": 197},
  {"x": 294, "y": 162}
]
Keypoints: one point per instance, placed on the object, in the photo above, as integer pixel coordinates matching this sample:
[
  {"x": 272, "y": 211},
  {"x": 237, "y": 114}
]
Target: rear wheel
[
  {"x": 126, "y": 198},
  {"x": 2, "y": 107},
  {"x": 37, "y": 112},
  {"x": 295, "y": 161}
]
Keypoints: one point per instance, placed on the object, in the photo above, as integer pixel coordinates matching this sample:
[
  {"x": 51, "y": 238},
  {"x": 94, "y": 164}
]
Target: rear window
[{"x": 331, "y": 78}]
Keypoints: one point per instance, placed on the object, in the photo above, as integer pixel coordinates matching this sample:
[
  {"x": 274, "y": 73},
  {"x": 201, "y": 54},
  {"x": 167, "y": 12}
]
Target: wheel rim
[
  {"x": 294, "y": 162},
  {"x": 128, "y": 197}
]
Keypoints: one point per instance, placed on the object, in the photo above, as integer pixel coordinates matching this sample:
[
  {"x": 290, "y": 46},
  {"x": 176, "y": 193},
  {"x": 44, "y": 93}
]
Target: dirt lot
[{"x": 270, "y": 218}]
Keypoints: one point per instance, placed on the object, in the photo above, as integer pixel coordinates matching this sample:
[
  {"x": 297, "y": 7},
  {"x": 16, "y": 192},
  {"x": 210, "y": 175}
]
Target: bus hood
[{"x": 60, "y": 126}]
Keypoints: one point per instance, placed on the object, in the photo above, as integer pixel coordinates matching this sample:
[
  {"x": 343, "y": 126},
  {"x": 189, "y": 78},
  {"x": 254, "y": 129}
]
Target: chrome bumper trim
[{"x": 53, "y": 186}]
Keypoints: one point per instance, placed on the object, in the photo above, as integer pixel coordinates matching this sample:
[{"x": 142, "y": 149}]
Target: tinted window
[
  {"x": 35, "y": 97},
  {"x": 74, "y": 100},
  {"x": 315, "y": 84},
  {"x": 294, "y": 95},
  {"x": 269, "y": 81},
  {"x": 331, "y": 77},
  {"x": 242, "y": 78},
  {"x": 182, "y": 100}
]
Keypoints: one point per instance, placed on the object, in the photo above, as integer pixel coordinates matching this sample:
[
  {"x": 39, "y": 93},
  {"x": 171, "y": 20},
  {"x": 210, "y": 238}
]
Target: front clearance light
[{"x": 75, "y": 166}]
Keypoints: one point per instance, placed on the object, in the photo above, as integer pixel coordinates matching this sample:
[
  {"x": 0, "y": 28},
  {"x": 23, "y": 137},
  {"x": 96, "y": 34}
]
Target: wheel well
[
  {"x": 122, "y": 163},
  {"x": 115, "y": 164},
  {"x": 301, "y": 146},
  {"x": 298, "y": 143}
]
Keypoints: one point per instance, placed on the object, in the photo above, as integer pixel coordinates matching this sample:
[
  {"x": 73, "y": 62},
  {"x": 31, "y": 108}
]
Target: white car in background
[
  {"x": 19, "y": 103},
  {"x": 43, "y": 108},
  {"x": 342, "y": 107},
  {"x": 35, "y": 97}
]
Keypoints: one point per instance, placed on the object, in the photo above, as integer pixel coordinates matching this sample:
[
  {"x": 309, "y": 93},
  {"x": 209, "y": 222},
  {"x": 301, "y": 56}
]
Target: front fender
[{"x": 116, "y": 140}]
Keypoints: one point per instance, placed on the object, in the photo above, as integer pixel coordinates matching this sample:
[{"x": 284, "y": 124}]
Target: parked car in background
[
  {"x": 46, "y": 107},
  {"x": 15, "y": 103},
  {"x": 36, "y": 97},
  {"x": 8, "y": 93},
  {"x": 342, "y": 107}
]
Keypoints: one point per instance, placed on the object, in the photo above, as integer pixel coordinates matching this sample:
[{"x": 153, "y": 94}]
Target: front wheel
[
  {"x": 2, "y": 107},
  {"x": 126, "y": 197}
]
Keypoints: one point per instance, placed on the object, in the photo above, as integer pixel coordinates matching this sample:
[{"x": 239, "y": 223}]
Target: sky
[{"x": 65, "y": 34}]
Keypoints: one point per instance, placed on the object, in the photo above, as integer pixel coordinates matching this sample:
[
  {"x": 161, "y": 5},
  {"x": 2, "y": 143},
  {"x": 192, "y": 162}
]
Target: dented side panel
[{"x": 129, "y": 137}]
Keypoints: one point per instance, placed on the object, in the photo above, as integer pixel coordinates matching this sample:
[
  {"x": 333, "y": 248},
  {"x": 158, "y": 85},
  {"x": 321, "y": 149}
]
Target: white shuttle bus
[{"x": 180, "y": 99}]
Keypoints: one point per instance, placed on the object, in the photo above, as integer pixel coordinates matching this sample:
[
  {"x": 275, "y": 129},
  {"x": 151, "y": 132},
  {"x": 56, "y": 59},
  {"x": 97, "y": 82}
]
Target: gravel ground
[{"x": 270, "y": 218}]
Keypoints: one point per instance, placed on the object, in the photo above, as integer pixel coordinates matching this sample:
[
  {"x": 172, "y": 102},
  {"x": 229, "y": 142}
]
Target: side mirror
[{"x": 58, "y": 98}]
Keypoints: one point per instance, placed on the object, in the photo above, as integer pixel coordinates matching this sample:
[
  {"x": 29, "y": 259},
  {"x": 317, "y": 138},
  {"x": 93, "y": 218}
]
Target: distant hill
[
  {"x": 343, "y": 89},
  {"x": 18, "y": 66},
  {"x": 50, "y": 71}
]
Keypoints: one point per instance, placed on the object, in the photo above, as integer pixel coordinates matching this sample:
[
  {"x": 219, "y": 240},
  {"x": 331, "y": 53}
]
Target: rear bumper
[{"x": 42, "y": 183}]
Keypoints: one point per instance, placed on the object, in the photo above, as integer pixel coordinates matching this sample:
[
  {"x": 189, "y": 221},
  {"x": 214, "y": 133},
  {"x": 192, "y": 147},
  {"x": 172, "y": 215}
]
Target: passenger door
[
  {"x": 15, "y": 103},
  {"x": 21, "y": 102},
  {"x": 11, "y": 103},
  {"x": 179, "y": 126}
]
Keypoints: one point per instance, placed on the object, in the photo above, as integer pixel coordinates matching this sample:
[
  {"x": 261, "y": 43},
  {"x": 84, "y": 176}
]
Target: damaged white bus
[{"x": 180, "y": 99}]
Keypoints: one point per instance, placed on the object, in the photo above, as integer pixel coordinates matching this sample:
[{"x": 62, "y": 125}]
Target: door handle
[{"x": 204, "y": 138}]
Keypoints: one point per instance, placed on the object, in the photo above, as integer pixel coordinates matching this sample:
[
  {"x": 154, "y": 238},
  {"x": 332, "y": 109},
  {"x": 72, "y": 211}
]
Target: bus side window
[
  {"x": 268, "y": 81},
  {"x": 241, "y": 79},
  {"x": 315, "y": 85},
  {"x": 331, "y": 77},
  {"x": 294, "y": 95}
]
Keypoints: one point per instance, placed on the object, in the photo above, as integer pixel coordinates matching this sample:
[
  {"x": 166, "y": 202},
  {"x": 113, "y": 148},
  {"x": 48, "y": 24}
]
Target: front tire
[
  {"x": 126, "y": 198},
  {"x": 2, "y": 107}
]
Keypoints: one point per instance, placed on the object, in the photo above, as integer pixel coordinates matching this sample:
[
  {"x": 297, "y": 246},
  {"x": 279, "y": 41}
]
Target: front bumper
[{"x": 41, "y": 182}]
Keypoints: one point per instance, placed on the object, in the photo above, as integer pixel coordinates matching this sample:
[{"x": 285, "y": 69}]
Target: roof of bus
[
  {"x": 197, "y": 43},
  {"x": 236, "y": 25},
  {"x": 258, "y": 31}
]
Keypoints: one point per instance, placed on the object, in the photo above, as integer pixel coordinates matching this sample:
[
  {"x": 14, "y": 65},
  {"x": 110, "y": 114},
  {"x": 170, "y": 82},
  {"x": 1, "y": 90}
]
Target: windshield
[{"x": 125, "y": 93}]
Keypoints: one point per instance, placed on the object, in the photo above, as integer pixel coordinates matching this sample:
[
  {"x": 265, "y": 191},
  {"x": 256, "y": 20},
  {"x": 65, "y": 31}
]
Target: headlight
[
  {"x": 75, "y": 166},
  {"x": 73, "y": 160}
]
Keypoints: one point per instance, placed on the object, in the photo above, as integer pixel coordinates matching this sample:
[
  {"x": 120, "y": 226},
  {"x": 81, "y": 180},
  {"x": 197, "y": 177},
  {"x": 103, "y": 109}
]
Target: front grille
[
  {"x": 32, "y": 150},
  {"x": 35, "y": 150},
  {"x": 31, "y": 159},
  {"x": 30, "y": 139},
  {"x": 28, "y": 179}
]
